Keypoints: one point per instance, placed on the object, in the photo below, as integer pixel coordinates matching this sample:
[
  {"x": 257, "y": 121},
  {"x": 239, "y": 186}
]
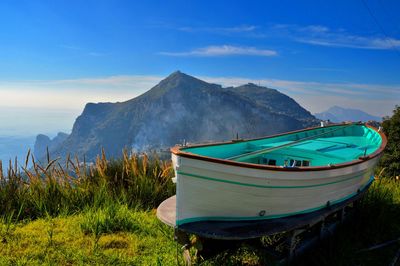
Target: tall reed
[{"x": 68, "y": 187}]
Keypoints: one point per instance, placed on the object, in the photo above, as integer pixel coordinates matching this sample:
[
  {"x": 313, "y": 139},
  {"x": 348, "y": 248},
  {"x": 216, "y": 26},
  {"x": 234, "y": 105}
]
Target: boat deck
[
  {"x": 344, "y": 148},
  {"x": 320, "y": 151},
  {"x": 239, "y": 230},
  {"x": 315, "y": 147}
]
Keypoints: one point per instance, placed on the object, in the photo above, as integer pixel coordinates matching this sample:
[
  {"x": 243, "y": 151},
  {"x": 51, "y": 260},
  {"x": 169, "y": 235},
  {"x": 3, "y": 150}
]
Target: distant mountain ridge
[
  {"x": 180, "y": 108},
  {"x": 43, "y": 142},
  {"x": 339, "y": 114}
]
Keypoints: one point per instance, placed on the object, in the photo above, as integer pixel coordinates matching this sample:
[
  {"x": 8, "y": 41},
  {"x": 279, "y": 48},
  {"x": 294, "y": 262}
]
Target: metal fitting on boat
[{"x": 261, "y": 213}]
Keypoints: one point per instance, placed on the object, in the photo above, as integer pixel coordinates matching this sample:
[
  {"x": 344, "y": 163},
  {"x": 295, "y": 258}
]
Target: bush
[
  {"x": 391, "y": 158},
  {"x": 56, "y": 189}
]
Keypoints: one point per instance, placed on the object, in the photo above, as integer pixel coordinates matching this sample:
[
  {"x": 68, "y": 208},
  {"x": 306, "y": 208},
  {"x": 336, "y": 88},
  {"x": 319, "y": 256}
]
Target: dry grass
[{"x": 53, "y": 188}]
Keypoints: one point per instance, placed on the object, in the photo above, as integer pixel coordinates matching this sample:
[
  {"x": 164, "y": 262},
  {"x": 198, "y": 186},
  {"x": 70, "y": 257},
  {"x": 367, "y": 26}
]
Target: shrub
[
  {"x": 391, "y": 159},
  {"x": 56, "y": 189}
]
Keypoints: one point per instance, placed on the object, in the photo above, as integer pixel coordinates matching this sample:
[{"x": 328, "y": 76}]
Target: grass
[
  {"x": 377, "y": 222},
  {"x": 73, "y": 245},
  {"x": 119, "y": 235},
  {"x": 110, "y": 219},
  {"x": 54, "y": 189},
  {"x": 103, "y": 214}
]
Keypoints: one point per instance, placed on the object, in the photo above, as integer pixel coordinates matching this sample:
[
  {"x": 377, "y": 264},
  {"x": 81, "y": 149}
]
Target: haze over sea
[{"x": 19, "y": 127}]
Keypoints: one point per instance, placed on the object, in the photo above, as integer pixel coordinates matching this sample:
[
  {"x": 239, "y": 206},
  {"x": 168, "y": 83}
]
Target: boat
[{"x": 272, "y": 177}]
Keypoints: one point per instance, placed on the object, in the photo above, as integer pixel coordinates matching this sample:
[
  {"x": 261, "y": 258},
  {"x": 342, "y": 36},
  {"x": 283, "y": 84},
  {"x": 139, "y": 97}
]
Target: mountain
[
  {"x": 339, "y": 114},
  {"x": 43, "y": 142},
  {"x": 275, "y": 101},
  {"x": 182, "y": 108}
]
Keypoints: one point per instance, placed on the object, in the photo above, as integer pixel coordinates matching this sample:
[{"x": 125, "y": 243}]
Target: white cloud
[
  {"x": 96, "y": 54},
  {"x": 120, "y": 81},
  {"x": 324, "y": 69},
  {"x": 352, "y": 41},
  {"x": 310, "y": 34},
  {"x": 376, "y": 99},
  {"x": 324, "y": 36},
  {"x": 223, "y": 50},
  {"x": 364, "y": 91},
  {"x": 315, "y": 28},
  {"x": 73, "y": 94},
  {"x": 82, "y": 51},
  {"x": 70, "y": 47},
  {"x": 220, "y": 30}
]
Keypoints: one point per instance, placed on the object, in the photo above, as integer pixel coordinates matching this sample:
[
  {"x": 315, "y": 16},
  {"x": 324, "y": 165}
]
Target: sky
[{"x": 55, "y": 56}]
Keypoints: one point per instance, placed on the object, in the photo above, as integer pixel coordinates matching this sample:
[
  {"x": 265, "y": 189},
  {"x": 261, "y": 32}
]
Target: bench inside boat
[{"x": 318, "y": 147}]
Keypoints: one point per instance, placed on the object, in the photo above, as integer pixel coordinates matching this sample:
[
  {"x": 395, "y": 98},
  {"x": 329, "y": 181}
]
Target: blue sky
[{"x": 61, "y": 54}]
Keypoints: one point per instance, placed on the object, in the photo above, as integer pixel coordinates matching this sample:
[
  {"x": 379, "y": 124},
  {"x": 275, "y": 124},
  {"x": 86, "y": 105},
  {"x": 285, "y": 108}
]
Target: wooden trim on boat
[{"x": 177, "y": 150}]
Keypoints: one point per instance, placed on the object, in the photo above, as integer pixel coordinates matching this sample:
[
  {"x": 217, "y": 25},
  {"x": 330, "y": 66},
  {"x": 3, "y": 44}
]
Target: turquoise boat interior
[{"x": 322, "y": 146}]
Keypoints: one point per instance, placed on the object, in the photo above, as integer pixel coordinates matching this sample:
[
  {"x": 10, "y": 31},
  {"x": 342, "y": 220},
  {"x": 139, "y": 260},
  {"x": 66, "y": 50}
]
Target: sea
[{"x": 20, "y": 126}]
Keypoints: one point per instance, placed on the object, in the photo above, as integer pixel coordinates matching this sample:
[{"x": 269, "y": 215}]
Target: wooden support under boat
[{"x": 323, "y": 222}]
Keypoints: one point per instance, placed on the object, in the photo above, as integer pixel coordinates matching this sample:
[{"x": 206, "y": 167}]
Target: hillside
[
  {"x": 275, "y": 101},
  {"x": 338, "y": 114},
  {"x": 43, "y": 142},
  {"x": 180, "y": 108},
  {"x": 103, "y": 214}
]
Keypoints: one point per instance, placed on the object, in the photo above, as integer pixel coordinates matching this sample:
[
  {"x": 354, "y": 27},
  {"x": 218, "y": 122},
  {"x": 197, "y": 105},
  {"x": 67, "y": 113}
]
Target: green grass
[
  {"x": 54, "y": 189},
  {"x": 104, "y": 214},
  {"x": 110, "y": 219},
  {"x": 118, "y": 235},
  {"x": 377, "y": 222},
  {"x": 144, "y": 241}
]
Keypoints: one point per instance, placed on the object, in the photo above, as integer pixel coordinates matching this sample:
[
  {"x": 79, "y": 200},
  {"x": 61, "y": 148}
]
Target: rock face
[
  {"x": 181, "y": 108},
  {"x": 275, "y": 101},
  {"x": 339, "y": 114},
  {"x": 43, "y": 142}
]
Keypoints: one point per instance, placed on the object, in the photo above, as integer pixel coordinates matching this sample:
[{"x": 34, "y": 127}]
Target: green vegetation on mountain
[
  {"x": 181, "y": 108},
  {"x": 390, "y": 162},
  {"x": 275, "y": 101}
]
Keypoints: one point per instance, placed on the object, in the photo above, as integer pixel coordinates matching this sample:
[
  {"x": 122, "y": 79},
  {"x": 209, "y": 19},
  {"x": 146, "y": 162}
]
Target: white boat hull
[{"x": 213, "y": 191}]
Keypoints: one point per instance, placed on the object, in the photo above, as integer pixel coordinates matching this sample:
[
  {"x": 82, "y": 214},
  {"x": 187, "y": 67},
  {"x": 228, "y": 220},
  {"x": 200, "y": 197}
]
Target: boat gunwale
[{"x": 177, "y": 150}]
